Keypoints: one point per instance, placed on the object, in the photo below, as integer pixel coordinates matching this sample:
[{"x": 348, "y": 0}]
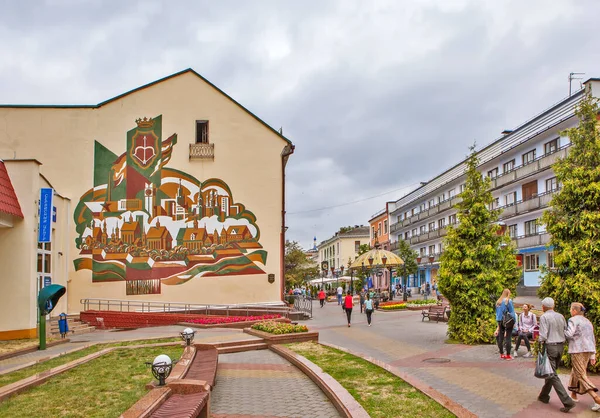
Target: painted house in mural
[{"x": 176, "y": 194}]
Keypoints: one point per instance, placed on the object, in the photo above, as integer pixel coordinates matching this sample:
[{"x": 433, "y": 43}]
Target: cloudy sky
[{"x": 377, "y": 95}]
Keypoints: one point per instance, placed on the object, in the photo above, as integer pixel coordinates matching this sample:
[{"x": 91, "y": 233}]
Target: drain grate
[{"x": 436, "y": 360}]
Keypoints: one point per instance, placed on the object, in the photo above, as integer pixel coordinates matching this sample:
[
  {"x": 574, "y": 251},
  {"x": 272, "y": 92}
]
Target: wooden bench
[{"x": 436, "y": 311}]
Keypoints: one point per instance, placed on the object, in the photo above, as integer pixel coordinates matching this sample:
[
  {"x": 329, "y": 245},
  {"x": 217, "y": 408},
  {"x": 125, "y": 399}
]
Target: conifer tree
[
  {"x": 573, "y": 221},
  {"x": 477, "y": 263}
]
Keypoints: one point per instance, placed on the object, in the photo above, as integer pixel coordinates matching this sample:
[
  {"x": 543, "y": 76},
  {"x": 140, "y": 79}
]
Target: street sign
[
  {"x": 45, "y": 218},
  {"x": 47, "y": 281}
]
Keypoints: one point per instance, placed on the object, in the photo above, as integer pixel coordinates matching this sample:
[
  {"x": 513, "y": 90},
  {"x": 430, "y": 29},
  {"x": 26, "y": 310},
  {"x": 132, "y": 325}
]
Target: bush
[
  {"x": 393, "y": 307},
  {"x": 278, "y": 328}
]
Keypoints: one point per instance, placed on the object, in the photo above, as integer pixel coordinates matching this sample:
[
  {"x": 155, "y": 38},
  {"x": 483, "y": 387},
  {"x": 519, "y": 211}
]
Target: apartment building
[
  {"x": 341, "y": 247},
  {"x": 519, "y": 164}
]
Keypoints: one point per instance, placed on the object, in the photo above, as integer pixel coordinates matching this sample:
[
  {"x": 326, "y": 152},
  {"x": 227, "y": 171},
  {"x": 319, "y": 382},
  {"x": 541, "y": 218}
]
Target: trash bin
[{"x": 63, "y": 325}]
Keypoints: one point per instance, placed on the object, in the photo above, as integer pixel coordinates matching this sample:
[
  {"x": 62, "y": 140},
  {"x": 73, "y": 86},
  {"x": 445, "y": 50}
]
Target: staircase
[
  {"x": 237, "y": 346},
  {"x": 76, "y": 326}
]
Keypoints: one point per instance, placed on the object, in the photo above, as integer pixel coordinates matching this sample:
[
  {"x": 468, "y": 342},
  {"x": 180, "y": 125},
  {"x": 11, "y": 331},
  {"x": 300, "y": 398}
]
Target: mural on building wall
[{"x": 151, "y": 225}]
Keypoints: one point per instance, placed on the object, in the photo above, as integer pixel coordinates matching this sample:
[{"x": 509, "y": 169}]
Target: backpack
[{"x": 508, "y": 319}]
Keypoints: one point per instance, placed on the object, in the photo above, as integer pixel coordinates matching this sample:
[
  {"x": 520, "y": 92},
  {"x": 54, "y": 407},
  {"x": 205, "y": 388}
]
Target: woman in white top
[
  {"x": 527, "y": 321},
  {"x": 369, "y": 308}
]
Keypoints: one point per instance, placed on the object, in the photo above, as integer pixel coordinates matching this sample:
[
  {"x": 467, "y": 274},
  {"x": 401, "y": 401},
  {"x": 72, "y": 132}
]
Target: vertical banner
[{"x": 45, "y": 218}]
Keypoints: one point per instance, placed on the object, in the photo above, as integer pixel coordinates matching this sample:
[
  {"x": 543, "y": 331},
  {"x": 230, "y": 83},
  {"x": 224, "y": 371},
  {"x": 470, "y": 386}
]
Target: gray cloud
[{"x": 377, "y": 96}]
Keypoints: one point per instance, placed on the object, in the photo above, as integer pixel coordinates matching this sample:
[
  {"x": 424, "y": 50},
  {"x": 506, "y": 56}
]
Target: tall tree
[
  {"x": 478, "y": 262},
  {"x": 573, "y": 221},
  {"x": 298, "y": 267},
  {"x": 409, "y": 256}
]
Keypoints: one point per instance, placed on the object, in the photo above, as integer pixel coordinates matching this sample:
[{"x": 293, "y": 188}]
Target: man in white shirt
[{"x": 340, "y": 292}]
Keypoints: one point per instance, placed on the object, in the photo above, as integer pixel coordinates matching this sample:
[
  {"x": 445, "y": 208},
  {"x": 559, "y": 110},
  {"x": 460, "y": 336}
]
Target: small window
[
  {"x": 462, "y": 187},
  {"x": 551, "y": 185},
  {"x": 406, "y": 236},
  {"x": 508, "y": 167},
  {"x": 385, "y": 226},
  {"x": 551, "y": 264},
  {"x": 422, "y": 251},
  {"x": 512, "y": 231},
  {"x": 510, "y": 199},
  {"x": 451, "y": 193},
  {"x": 356, "y": 246},
  {"x": 532, "y": 262},
  {"x": 432, "y": 203},
  {"x": 406, "y": 215},
  {"x": 432, "y": 226},
  {"x": 422, "y": 229},
  {"x": 441, "y": 223},
  {"x": 431, "y": 249},
  {"x": 373, "y": 232},
  {"x": 452, "y": 219},
  {"x": 531, "y": 227},
  {"x": 201, "y": 132},
  {"x": 422, "y": 207},
  {"x": 529, "y": 157},
  {"x": 495, "y": 203},
  {"x": 414, "y": 232},
  {"x": 439, "y": 248},
  {"x": 413, "y": 211},
  {"x": 493, "y": 173},
  {"x": 551, "y": 146}
]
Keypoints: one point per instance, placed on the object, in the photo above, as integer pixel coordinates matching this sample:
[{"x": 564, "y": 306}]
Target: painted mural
[{"x": 151, "y": 225}]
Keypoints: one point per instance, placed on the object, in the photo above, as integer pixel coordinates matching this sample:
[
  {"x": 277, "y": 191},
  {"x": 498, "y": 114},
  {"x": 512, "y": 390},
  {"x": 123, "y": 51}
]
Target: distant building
[{"x": 342, "y": 247}]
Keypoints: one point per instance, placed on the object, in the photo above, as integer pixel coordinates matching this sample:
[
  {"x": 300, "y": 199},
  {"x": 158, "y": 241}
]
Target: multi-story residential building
[
  {"x": 519, "y": 164},
  {"x": 341, "y": 247},
  {"x": 380, "y": 233}
]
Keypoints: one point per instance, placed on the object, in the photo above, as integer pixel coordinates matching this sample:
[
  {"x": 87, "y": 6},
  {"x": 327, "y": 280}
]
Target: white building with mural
[
  {"x": 519, "y": 164},
  {"x": 170, "y": 192}
]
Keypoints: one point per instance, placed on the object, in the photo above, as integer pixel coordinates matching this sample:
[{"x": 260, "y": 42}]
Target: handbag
[
  {"x": 508, "y": 319},
  {"x": 543, "y": 368}
]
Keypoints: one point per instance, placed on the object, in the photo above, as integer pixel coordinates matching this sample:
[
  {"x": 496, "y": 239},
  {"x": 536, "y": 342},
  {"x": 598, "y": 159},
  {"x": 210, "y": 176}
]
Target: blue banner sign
[{"x": 45, "y": 224}]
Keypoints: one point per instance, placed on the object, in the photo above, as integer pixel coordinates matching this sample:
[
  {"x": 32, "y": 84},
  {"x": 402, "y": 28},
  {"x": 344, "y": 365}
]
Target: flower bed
[
  {"x": 393, "y": 307},
  {"x": 391, "y": 303},
  {"x": 278, "y": 328},
  {"x": 421, "y": 302},
  {"x": 229, "y": 319}
]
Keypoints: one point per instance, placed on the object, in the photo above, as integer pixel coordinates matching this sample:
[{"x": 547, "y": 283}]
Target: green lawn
[
  {"x": 103, "y": 387},
  {"x": 380, "y": 392},
  {"x": 17, "y": 375}
]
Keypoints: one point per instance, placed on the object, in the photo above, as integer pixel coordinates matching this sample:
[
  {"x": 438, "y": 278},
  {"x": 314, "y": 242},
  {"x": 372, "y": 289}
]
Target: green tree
[
  {"x": 298, "y": 267},
  {"x": 409, "y": 256},
  {"x": 478, "y": 262},
  {"x": 573, "y": 221}
]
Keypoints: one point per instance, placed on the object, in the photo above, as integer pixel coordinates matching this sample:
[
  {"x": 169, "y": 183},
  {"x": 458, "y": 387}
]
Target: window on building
[
  {"x": 406, "y": 236},
  {"x": 529, "y": 157},
  {"x": 442, "y": 198},
  {"x": 373, "y": 232},
  {"x": 551, "y": 146},
  {"x": 422, "y": 207},
  {"x": 493, "y": 173},
  {"x": 510, "y": 199},
  {"x": 441, "y": 223},
  {"x": 431, "y": 249},
  {"x": 495, "y": 203},
  {"x": 385, "y": 226},
  {"x": 399, "y": 218},
  {"x": 508, "y": 166},
  {"x": 531, "y": 227},
  {"x": 550, "y": 257},
  {"x": 451, "y": 193},
  {"x": 356, "y": 246},
  {"x": 413, "y": 211},
  {"x": 440, "y": 248},
  {"x": 422, "y": 251},
  {"x": 512, "y": 231},
  {"x": 414, "y": 232},
  {"x": 338, "y": 247},
  {"x": 452, "y": 219},
  {"x": 462, "y": 187},
  {"x": 532, "y": 262},
  {"x": 201, "y": 132},
  {"x": 432, "y": 203},
  {"x": 333, "y": 250},
  {"x": 379, "y": 229},
  {"x": 406, "y": 215},
  {"x": 422, "y": 229},
  {"x": 551, "y": 184},
  {"x": 432, "y": 226}
]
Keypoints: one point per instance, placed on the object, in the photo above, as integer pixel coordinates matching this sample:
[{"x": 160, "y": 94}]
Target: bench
[{"x": 436, "y": 311}]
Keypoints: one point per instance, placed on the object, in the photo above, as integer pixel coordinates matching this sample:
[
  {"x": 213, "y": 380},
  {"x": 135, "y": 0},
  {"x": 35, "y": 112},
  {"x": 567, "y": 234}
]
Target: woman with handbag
[
  {"x": 505, "y": 316},
  {"x": 582, "y": 348}
]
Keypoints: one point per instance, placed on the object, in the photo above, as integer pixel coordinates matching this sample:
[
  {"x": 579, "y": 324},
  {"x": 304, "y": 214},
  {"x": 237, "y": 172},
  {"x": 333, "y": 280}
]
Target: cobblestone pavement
[
  {"x": 262, "y": 384},
  {"x": 82, "y": 340},
  {"x": 473, "y": 376}
]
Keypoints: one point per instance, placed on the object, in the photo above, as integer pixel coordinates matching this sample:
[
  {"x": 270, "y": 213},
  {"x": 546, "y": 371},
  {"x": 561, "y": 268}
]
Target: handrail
[{"x": 157, "y": 306}]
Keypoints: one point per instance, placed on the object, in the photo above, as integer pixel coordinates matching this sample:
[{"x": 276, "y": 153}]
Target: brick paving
[
  {"x": 262, "y": 384},
  {"x": 474, "y": 377}
]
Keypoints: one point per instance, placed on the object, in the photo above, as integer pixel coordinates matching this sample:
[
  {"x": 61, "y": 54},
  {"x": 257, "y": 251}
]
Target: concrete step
[
  {"x": 240, "y": 348},
  {"x": 236, "y": 343}
]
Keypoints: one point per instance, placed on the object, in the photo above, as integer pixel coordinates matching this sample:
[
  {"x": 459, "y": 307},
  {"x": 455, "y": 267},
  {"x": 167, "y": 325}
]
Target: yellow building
[{"x": 130, "y": 176}]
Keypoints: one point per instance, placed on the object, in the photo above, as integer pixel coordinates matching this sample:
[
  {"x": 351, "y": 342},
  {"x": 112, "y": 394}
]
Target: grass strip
[
  {"x": 17, "y": 375},
  {"x": 103, "y": 387},
  {"x": 381, "y": 393}
]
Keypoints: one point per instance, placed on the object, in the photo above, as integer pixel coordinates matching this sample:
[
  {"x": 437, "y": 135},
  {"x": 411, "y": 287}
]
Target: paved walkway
[
  {"x": 473, "y": 376},
  {"x": 262, "y": 384}
]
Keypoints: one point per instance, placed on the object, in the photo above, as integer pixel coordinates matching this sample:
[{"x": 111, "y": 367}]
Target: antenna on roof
[
  {"x": 281, "y": 130},
  {"x": 572, "y": 77}
]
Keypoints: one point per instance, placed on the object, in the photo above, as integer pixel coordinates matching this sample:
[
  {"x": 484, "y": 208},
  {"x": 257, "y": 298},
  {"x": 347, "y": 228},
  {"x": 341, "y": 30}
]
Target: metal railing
[
  {"x": 303, "y": 304},
  {"x": 118, "y": 305},
  {"x": 202, "y": 151}
]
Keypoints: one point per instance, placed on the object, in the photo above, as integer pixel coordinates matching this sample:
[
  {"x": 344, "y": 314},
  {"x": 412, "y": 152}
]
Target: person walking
[
  {"x": 582, "y": 348},
  {"x": 552, "y": 335},
  {"x": 361, "y": 296},
  {"x": 527, "y": 322},
  {"x": 348, "y": 303},
  {"x": 340, "y": 293},
  {"x": 505, "y": 326},
  {"x": 369, "y": 309},
  {"x": 322, "y": 297}
]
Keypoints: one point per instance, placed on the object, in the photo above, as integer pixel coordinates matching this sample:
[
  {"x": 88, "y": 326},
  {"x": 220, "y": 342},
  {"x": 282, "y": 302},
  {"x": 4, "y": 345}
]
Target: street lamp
[
  {"x": 161, "y": 368},
  {"x": 187, "y": 335},
  {"x": 341, "y": 271},
  {"x": 333, "y": 274},
  {"x": 384, "y": 261},
  {"x": 431, "y": 260}
]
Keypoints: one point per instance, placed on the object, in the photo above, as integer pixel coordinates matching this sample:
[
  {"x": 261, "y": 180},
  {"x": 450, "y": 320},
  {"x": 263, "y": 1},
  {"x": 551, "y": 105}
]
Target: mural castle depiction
[{"x": 150, "y": 225}]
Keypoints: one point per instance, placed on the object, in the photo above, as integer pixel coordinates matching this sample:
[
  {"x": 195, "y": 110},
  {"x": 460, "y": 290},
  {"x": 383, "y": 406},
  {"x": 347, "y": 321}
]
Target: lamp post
[
  {"x": 431, "y": 260},
  {"x": 418, "y": 270},
  {"x": 405, "y": 286},
  {"x": 333, "y": 274},
  {"x": 161, "y": 368},
  {"x": 187, "y": 335},
  {"x": 341, "y": 271},
  {"x": 370, "y": 260},
  {"x": 384, "y": 261}
]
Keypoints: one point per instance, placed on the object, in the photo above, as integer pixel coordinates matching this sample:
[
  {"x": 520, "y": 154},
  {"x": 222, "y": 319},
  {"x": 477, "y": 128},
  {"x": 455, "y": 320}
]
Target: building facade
[
  {"x": 175, "y": 192},
  {"x": 519, "y": 165},
  {"x": 342, "y": 248},
  {"x": 380, "y": 234}
]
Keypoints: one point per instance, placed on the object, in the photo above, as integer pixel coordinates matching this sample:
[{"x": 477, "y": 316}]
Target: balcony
[
  {"x": 202, "y": 151},
  {"x": 394, "y": 246},
  {"x": 445, "y": 205},
  {"x": 396, "y": 226},
  {"x": 533, "y": 240},
  {"x": 540, "y": 201}
]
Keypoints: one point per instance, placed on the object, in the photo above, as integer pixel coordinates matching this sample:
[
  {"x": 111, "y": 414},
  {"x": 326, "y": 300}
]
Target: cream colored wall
[
  {"x": 247, "y": 158},
  {"x": 18, "y": 253},
  {"x": 347, "y": 248}
]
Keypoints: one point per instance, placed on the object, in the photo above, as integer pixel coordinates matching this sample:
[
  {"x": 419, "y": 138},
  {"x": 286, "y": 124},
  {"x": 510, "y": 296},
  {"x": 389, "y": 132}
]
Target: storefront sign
[{"x": 45, "y": 218}]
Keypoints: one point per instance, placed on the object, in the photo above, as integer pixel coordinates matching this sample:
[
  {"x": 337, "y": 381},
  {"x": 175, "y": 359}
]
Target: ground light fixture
[
  {"x": 187, "y": 335},
  {"x": 161, "y": 368}
]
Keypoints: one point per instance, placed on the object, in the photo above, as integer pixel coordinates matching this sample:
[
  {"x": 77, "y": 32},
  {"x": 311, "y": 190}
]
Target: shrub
[
  {"x": 278, "y": 328},
  {"x": 394, "y": 307}
]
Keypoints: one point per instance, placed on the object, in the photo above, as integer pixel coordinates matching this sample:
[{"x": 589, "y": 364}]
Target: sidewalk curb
[
  {"x": 341, "y": 399},
  {"x": 20, "y": 352},
  {"x": 446, "y": 402}
]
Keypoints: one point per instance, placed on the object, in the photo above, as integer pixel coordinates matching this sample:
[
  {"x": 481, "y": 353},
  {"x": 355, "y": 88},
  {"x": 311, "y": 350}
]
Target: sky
[{"x": 376, "y": 95}]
